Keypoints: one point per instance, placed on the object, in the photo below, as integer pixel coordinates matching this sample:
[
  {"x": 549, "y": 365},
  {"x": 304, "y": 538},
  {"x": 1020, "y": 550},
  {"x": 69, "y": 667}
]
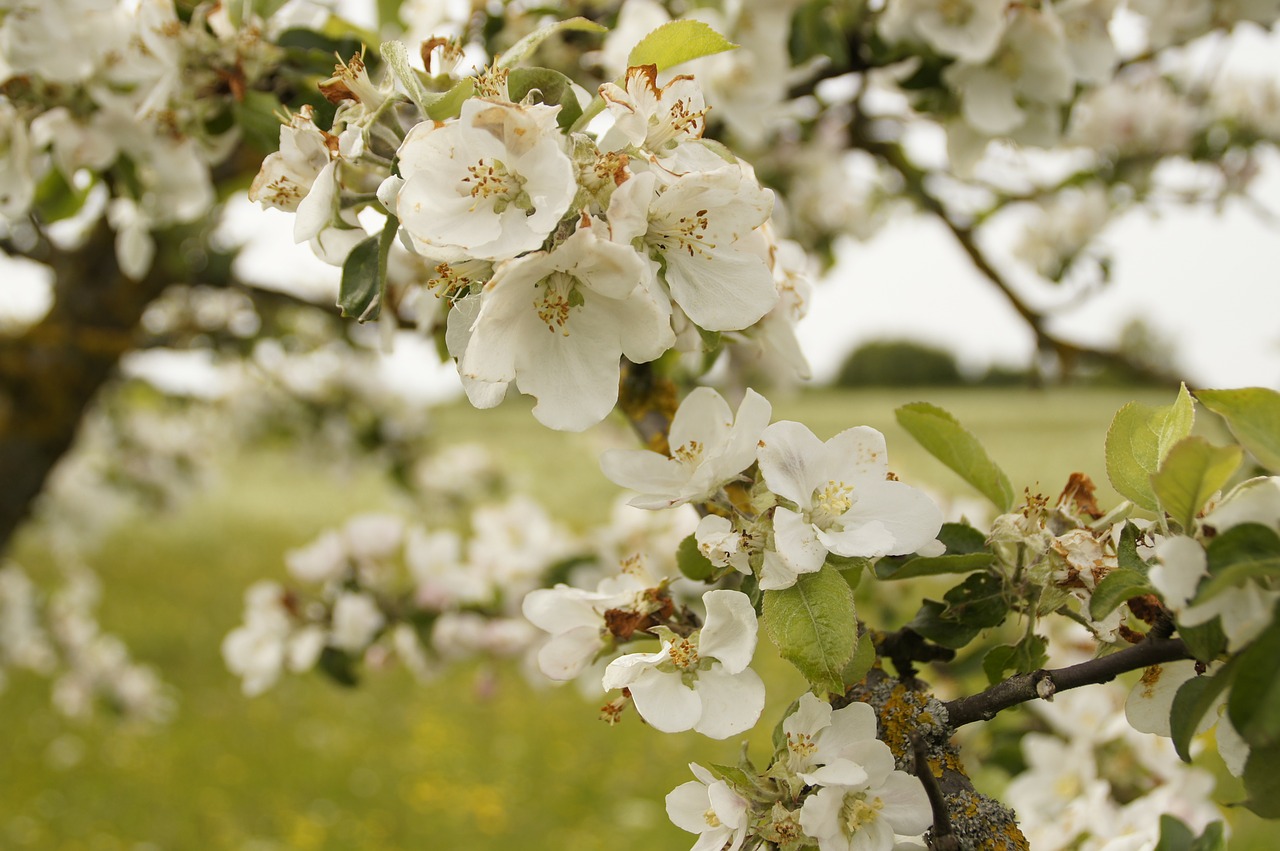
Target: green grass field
[{"x": 480, "y": 760}]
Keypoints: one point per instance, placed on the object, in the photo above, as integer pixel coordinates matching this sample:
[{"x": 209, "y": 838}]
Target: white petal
[
  {"x": 842, "y": 772},
  {"x": 790, "y": 461},
  {"x": 887, "y": 518},
  {"x": 731, "y": 703},
  {"x": 799, "y": 544},
  {"x": 666, "y": 703},
  {"x": 567, "y": 654},
  {"x": 1182, "y": 565},
  {"x": 687, "y": 805},
  {"x": 905, "y": 804},
  {"x": 1151, "y": 699},
  {"x": 730, "y": 631},
  {"x": 315, "y": 212},
  {"x": 660, "y": 480},
  {"x": 721, "y": 290},
  {"x": 856, "y": 453}
]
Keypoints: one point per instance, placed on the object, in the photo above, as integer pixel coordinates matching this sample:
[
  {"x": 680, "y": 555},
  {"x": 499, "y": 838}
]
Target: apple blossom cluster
[
  {"x": 557, "y": 252},
  {"x": 832, "y": 782},
  {"x": 57, "y": 636},
  {"x": 110, "y": 108},
  {"x": 811, "y": 499},
  {"x": 1093, "y": 781},
  {"x": 378, "y": 588}
]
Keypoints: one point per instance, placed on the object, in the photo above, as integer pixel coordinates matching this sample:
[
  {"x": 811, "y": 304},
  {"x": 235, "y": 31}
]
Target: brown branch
[
  {"x": 914, "y": 180},
  {"x": 1046, "y": 683},
  {"x": 941, "y": 837}
]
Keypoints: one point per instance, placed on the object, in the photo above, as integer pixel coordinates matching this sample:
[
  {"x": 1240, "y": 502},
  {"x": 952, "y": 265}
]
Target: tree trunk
[{"x": 50, "y": 373}]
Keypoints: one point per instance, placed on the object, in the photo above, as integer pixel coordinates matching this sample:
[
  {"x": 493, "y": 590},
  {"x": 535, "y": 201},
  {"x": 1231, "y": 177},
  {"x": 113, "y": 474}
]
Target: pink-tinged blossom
[
  {"x": 844, "y": 502},
  {"x": 709, "y": 447},
  {"x": 701, "y": 682}
]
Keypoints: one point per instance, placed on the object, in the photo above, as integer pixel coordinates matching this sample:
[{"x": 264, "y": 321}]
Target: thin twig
[{"x": 1044, "y": 684}]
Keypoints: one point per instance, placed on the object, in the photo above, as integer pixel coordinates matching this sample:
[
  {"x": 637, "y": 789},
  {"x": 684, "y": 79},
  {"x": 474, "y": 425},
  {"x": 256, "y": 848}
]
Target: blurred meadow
[{"x": 480, "y": 759}]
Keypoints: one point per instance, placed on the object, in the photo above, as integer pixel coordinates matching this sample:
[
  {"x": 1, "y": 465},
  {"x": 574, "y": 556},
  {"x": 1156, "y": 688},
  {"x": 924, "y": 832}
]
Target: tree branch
[
  {"x": 914, "y": 180},
  {"x": 1045, "y": 683}
]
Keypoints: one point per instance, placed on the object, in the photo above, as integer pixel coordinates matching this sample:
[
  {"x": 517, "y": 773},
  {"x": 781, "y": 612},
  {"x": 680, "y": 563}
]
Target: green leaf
[
  {"x": 975, "y": 604},
  {"x": 1244, "y": 552},
  {"x": 692, "y": 562},
  {"x": 1027, "y": 655},
  {"x": 1193, "y": 471},
  {"x": 1117, "y": 586},
  {"x": 552, "y": 87},
  {"x": 56, "y": 199},
  {"x": 1254, "y": 705},
  {"x": 932, "y": 566},
  {"x": 397, "y": 57},
  {"x": 1262, "y": 782},
  {"x": 442, "y": 107},
  {"x": 256, "y": 116},
  {"x": 1206, "y": 641},
  {"x": 1139, "y": 438},
  {"x": 931, "y": 623},
  {"x": 677, "y": 42},
  {"x": 814, "y": 626},
  {"x": 979, "y": 601},
  {"x": 1253, "y": 415},
  {"x": 1194, "y": 699},
  {"x": 949, "y": 442},
  {"x": 364, "y": 275},
  {"x": 851, "y": 568},
  {"x": 523, "y": 48},
  {"x": 339, "y": 667},
  {"x": 962, "y": 539},
  {"x": 1127, "y": 550},
  {"x": 1176, "y": 836},
  {"x": 864, "y": 657}
]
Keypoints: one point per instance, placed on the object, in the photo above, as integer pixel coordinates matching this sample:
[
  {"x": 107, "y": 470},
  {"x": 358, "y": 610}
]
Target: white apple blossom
[
  {"x": 1030, "y": 67},
  {"x": 287, "y": 174},
  {"x": 1150, "y": 706},
  {"x": 818, "y": 735},
  {"x": 709, "y": 447},
  {"x": 701, "y": 682},
  {"x": 966, "y": 29},
  {"x": 654, "y": 118},
  {"x": 575, "y": 619},
  {"x": 698, "y": 225},
  {"x": 845, "y": 502},
  {"x": 722, "y": 544},
  {"x": 1085, "y": 23},
  {"x": 492, "y": 183},
  {"x": 711, "y": 809},
  {"x": 1245, "y": 609},
  {"x": 356, "y": 620},
  {"x": 268, "y": 642},
  {"x": 556, "y": 323},
  {"x": 1134, "y": 118},
  {"x": 863, "y": 801}
]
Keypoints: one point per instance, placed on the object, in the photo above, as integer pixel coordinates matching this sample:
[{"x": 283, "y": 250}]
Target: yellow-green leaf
[
  {"x": 677, "y": 42},
  {"x": 1192, "y": 472},
  {"x": 1139, "y": 438},
  {"x": 948, "y": 441},
  {"x": 1253, "y": 415},
  {"x": 523, "y": 48}
]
